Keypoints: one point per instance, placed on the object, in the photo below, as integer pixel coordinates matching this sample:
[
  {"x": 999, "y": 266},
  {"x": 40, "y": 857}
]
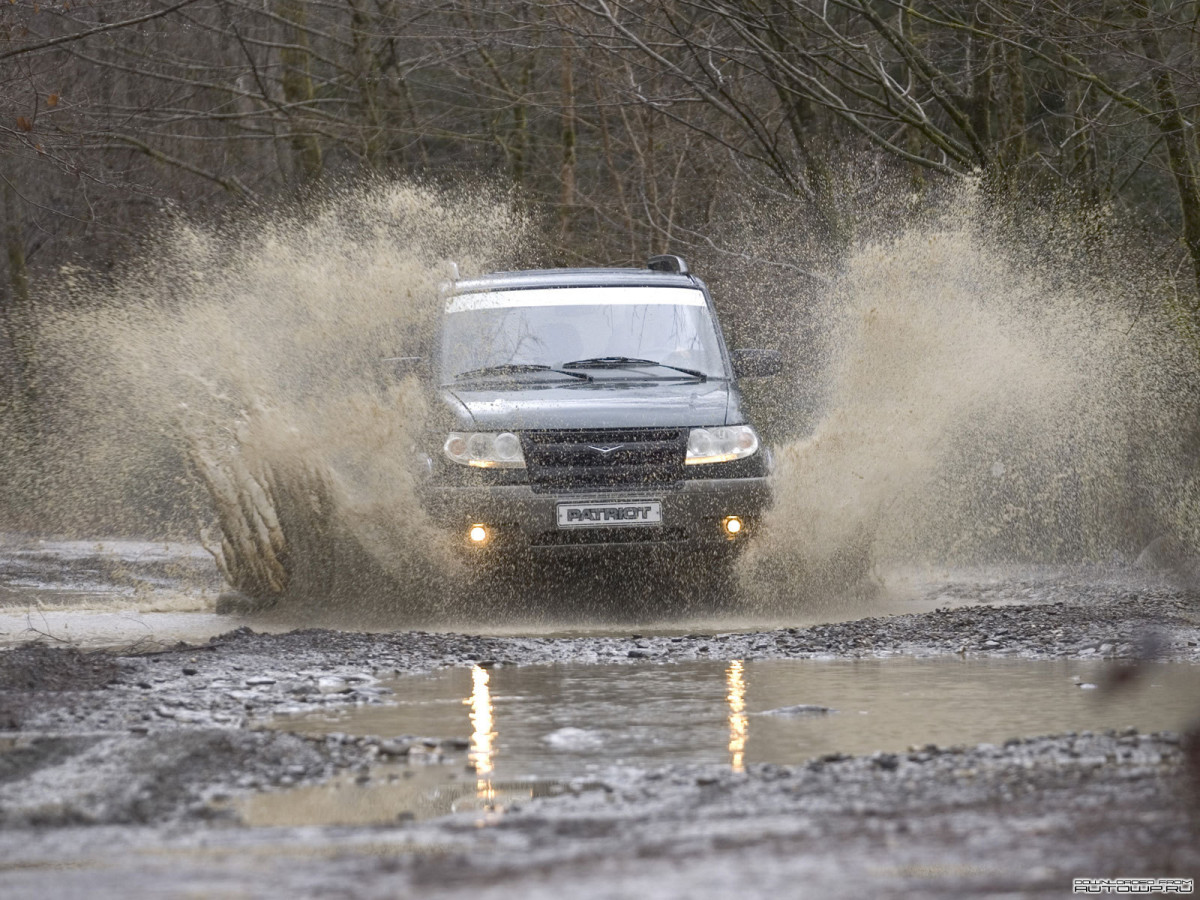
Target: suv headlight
[
  {"x": 485, "y": 450},
  {"x": 715, "y": 445}
]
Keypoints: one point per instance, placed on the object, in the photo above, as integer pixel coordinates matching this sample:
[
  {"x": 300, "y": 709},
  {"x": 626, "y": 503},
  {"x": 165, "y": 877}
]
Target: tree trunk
[
  {"x": 1014, "y": 144},
  {"x": 567, "y": 174},
  {"x": 298, "y": 86},
  {"x": 18, "y": 312},
  {"x": 20, "y": 415},
  {"x": 367, "y": 74},
  {"x": 1178, "y": 136},
  {"x": 981, "y": 49}
]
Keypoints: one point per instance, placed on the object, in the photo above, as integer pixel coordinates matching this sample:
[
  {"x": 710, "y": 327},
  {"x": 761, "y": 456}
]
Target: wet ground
[
  {"x": 106, "y": 593},
  {"x": 980, "y": 733},
  {"x": 125, "y": 594}
]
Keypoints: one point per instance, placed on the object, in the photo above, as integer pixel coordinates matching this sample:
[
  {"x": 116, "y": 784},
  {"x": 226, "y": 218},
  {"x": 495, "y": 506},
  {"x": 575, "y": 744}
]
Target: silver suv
[{"x": 593, "y": 411}]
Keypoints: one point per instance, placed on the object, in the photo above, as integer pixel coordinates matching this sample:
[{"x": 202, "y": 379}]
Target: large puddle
[
  {"x": 533, "y": 729},
  {"x": 125, "y": 593},
  {"x": 109, "y": 593}
]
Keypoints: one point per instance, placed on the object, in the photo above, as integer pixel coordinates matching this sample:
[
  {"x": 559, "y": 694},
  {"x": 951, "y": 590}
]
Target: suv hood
[{"x": 608, "y": 403}]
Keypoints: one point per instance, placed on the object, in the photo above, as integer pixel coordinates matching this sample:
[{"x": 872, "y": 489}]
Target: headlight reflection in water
[
  {"x": 735, "y": 683},
  {"x": 483, "y": 734}
]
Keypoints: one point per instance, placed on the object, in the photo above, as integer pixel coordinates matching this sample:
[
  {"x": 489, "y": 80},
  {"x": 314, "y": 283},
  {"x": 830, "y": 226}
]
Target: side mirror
[{"x": 756, "y": 363}]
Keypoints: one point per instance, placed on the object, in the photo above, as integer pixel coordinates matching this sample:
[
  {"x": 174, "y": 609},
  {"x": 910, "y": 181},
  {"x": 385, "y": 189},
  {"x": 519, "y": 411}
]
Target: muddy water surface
[
  {"x": 127, "y": 593},
  {"x": 534, "y": 729},
  {"x": 109, "y": 593}
]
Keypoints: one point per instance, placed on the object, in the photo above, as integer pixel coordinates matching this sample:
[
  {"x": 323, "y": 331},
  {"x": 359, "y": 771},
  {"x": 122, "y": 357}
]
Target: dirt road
[{"x": 128, "y": 772}]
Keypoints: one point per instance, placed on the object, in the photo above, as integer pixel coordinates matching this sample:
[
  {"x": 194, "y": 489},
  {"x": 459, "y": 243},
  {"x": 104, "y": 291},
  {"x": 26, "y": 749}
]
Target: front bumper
[{"x": 518, "y": 519}]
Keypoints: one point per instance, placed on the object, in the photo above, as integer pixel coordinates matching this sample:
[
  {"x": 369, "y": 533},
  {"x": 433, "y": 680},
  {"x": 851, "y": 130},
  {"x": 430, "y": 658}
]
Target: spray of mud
[
  {"x": 992, "y": 394},
  {"x": 986, "y": 392},
  {"x": 249, "y": 361}
]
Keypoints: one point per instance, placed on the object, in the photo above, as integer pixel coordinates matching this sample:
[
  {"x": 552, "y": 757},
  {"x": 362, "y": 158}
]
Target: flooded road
[
  {"x": 507, "y": 757},
  {"x": 108, "y": 593},
  {"x": 118, "y": 594},
  {"x": 620, "y": 758},
  {"x": 532, "y": 729},
  {"x": 568, "y": 720}
]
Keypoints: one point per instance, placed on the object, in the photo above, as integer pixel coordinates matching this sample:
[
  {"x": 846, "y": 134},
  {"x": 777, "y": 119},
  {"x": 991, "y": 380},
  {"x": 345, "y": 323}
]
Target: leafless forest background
[{"x": 761, "y": 138}]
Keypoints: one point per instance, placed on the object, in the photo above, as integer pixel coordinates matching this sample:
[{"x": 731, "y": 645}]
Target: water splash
[
  {"x": 987, "y": 399},
  {"x": 984, "y": 396},
  {"x": 251, "y": 356}
]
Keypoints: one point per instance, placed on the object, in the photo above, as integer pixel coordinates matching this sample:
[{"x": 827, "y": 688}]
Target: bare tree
[{"x": 1027, "y": 93}]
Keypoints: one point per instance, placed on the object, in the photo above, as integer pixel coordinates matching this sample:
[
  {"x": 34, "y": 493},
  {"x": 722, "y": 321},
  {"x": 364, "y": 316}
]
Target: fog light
[
  {"x": 478, "y": 534},
  {"x": 733, "y": 526}
]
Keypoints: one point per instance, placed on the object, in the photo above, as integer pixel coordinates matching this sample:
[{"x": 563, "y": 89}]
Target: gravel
[{"x": 142, "y": 752}]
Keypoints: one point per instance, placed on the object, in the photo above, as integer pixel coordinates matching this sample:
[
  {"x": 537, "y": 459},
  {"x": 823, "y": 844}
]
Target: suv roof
[{"x": 541, "y": 278}]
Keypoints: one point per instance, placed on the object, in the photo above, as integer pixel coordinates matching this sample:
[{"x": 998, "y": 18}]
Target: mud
[
  {"x": 120, "y": 769},
  {"x": 1021, "y": 819}
]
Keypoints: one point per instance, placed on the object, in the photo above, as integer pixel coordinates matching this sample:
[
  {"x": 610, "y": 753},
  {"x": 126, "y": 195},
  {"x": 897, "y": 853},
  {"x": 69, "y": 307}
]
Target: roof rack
[{"x": 668, "y": 263}]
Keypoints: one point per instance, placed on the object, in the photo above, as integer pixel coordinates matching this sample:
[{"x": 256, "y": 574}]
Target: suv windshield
[{"x": 524, "y": 330}]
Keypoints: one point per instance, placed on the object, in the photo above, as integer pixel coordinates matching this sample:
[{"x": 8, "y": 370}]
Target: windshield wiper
[
  {"x": 628, "y": 362},
  {"x": 517, "y": 369}
]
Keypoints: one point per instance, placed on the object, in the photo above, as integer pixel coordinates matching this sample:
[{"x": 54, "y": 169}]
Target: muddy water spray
[
  {"x": 253, "y": 356},
  {"x": 985, "y": 401},
  {"x": 982, "y": 401}
]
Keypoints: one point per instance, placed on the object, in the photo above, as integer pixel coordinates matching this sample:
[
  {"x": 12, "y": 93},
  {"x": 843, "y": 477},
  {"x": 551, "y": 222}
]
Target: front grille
[{"x": 604, "y": 459}]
